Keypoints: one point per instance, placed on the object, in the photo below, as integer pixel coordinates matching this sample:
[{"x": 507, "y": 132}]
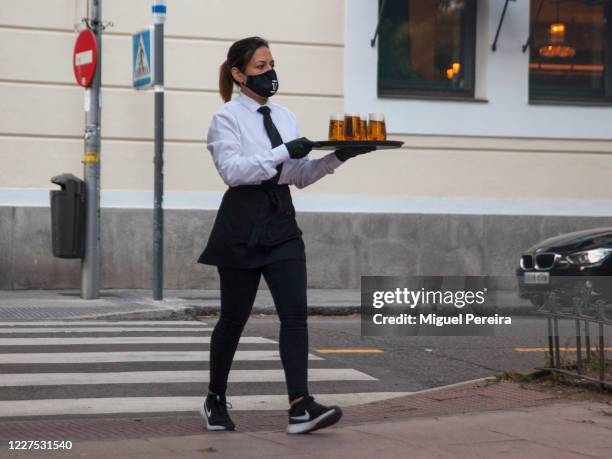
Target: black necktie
[{"x": 274, "y": 136}]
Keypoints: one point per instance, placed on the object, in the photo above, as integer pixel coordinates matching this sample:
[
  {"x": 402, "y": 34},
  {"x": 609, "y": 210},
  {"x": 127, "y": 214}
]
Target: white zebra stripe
[
  {"x": 101, "y": 329},
  {"x": 122, "y": 340},
  {"x": 116, "y": 405},
  {"x": 102, "y": 322},
  {"x": 151, "y": 356},
  {"x": 159, "y": 377}
]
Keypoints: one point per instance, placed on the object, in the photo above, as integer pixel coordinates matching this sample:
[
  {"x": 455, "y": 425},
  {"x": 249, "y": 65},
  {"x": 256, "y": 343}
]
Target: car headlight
[{"x": 588, "y": 257}]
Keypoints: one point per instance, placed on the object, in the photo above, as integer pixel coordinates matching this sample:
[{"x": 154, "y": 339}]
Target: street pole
[
  {"x": 90, "y": 264},
  {"x": 159, "y": 16}
]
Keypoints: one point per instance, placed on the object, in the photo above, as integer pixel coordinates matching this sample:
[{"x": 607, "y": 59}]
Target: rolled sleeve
[
  {"x": 308, "y": 171},
  {"x": 333, "y": 161}
]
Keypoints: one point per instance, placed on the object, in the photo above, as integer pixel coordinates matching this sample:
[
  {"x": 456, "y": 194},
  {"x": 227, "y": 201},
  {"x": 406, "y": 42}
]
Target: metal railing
[{"x": 584, "y": 311}]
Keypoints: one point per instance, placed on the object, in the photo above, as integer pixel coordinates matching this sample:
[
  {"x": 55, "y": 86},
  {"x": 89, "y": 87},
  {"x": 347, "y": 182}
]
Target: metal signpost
[
  {"x": 148, "y": 71},
  {"x": 87, "y": 65}
]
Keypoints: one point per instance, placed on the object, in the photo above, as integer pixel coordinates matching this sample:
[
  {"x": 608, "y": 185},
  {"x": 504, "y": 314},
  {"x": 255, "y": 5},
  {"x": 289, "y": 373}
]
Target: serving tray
[{"x": 337, "y": 144}]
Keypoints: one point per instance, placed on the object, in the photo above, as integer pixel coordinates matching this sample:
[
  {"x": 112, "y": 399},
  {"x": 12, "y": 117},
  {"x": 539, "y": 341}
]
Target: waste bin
[{"x": 68, "y": 217}]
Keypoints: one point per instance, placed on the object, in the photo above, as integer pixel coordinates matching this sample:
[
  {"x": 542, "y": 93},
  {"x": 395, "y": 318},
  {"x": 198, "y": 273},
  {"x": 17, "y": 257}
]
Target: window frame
[
  {"x": 572, "y": 98},
  {"x": 469, "y": 67}
]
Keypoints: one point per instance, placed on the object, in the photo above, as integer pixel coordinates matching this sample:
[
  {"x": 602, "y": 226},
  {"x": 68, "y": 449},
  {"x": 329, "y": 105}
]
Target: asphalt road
[
  {"x": 410, "y": 363},
  {"x": 58, "y": 370}
]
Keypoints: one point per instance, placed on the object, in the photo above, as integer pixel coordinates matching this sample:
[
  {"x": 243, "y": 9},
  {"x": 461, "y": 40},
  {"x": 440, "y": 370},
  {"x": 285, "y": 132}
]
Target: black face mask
[{"x": 264, "y": 85}]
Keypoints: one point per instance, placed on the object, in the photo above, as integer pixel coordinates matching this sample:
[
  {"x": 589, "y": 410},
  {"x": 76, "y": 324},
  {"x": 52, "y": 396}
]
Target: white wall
[
  {"x": 42, "y": 118},
  {"x": 502, "y": 79}
]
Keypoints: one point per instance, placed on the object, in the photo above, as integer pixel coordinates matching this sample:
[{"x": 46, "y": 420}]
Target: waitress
[{"x": 258, "y": 150}]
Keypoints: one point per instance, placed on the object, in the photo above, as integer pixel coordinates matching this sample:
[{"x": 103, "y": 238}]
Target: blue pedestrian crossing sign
[{"x": 142, "y": 59}]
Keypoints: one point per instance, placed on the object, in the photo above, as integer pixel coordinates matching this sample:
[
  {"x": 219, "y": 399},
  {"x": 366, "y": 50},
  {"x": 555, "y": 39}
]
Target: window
[
  {"x": 569, "y": 53},
  {"x": 427, "y": 48}
]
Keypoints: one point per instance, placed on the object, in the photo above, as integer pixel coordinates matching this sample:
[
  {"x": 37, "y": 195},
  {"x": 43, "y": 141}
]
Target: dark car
[{"x": 568, "y": 265}]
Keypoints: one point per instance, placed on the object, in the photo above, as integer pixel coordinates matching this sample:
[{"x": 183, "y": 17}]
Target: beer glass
[
  {"x": 376, "y": 127},
  {"x": 336, "y": 127},
  {"x": 364, "y": 128},
  {"x": 352, "y": 126}
]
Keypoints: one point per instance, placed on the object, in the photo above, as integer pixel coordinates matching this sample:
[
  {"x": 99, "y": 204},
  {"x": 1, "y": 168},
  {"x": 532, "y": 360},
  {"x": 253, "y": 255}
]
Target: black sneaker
[
  {"x": 308, "y": 415},
  {"x": 214, "y": 410}
]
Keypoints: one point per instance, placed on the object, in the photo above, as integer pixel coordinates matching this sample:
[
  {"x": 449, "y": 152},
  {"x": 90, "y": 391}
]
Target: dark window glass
[
  {"x": 569, "y": 52},
  {"x": 426, "y": 47}
]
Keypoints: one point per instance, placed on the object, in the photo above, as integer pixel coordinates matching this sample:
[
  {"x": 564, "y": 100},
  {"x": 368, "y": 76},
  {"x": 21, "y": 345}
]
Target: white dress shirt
[{"x": 242, "y": 151}]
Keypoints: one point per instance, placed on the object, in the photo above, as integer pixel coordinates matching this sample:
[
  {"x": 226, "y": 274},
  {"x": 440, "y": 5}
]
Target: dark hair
[{"x": 239, "y": 55}]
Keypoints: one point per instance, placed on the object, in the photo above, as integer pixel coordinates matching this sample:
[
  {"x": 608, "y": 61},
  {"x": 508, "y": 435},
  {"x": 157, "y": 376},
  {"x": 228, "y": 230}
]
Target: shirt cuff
[
  {"x": 333, "y": 161},
  {"x": 280, "y": 154}
]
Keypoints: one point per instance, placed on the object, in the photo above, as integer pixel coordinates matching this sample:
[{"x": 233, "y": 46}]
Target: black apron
[{"x": 255, "y": 225}]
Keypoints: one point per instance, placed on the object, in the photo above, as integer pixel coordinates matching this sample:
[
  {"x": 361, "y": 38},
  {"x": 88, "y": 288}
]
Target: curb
[
  {"x": 491, "y": 379},
  {"x": 315, "y": 310},
  {"x": 194, "y": 312}
]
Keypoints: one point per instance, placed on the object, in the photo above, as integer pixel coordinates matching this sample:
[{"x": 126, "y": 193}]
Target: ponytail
[
  {"x": 239, "y": 55},
  {"x": 226, "y": 82}
]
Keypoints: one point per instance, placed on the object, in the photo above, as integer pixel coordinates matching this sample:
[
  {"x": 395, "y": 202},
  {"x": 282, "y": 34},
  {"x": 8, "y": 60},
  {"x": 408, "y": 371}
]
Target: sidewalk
[
  {"x": 470, "y": 420},
  {"x": 139, "y": 304},
  {"x": 177, "y": 304}
]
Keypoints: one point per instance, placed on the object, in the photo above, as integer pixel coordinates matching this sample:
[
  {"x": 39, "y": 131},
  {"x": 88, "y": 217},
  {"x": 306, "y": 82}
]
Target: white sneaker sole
[
  {"x": 208, "y": 425},
  {"x": 316, "y": 423}
]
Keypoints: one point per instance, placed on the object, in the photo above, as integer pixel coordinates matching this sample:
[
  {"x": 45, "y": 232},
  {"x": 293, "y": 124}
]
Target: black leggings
[{"x": 286, "y": 280}]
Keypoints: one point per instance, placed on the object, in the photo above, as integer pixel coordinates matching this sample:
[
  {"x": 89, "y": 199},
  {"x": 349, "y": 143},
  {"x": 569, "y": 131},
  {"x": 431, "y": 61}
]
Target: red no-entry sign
[{"x": 85, "y": 58}]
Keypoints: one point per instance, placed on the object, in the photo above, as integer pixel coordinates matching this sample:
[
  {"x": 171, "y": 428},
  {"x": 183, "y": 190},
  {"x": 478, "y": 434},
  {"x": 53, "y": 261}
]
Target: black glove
[
  {"x": 345, "y": 153},
  {"x": 299, "y": 148}
]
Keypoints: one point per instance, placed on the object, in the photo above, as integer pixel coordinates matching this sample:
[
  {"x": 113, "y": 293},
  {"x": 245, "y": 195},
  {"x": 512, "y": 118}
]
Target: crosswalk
[{"x": 66, "y": 368}]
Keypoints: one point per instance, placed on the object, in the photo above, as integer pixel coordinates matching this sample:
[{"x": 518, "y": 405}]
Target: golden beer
[
  {"x": 336, "y": 127},
  {"x": 352, "y": 127},
  {"x": 376, "y": 127},
  {"x": 364, "y": 129}
]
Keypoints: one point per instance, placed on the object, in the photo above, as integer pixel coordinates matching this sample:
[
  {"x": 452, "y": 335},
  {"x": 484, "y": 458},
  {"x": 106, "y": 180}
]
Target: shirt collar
[{"x": 249, "y": 103}]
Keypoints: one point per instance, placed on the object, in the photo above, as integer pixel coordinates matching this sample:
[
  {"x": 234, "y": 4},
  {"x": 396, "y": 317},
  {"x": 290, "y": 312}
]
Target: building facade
[{"x": 501, "y": 148}]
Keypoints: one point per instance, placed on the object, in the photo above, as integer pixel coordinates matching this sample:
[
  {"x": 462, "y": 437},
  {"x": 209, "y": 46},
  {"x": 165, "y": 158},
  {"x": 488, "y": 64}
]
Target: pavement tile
[
  {"x": 597, "y": 413},
  {"x": 604, "y": 453},
  {"x": 504, "y": 420},
  {"x": 570, "y": 430},
  {"x": 560, "y": 425},
  {"x": 422, "y": 431},
  {"x": 97, "y": 449},
  {"x": 341, "y": 442},
  {"x": 519, "y": 449},
  {"x": 226, "y": 444}
]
